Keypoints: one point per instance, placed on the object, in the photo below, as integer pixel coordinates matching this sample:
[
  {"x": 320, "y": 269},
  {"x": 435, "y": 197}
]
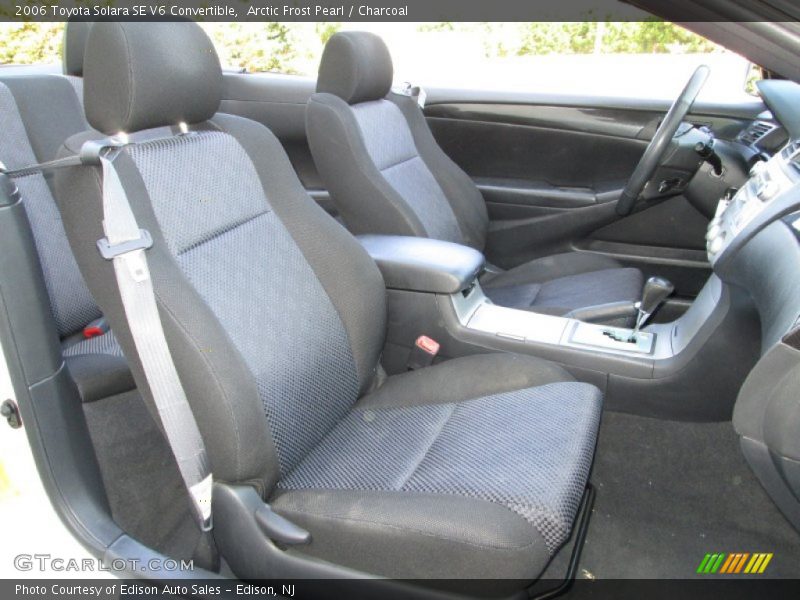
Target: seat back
[
  {"x": 37, "y": 113},
  {"x": 377, "y": 156},
  {"x": 274, "y": 315}
]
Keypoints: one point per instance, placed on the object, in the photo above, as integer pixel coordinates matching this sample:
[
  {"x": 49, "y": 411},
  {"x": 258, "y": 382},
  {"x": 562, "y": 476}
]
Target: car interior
[{"x": 500, "y": 338}]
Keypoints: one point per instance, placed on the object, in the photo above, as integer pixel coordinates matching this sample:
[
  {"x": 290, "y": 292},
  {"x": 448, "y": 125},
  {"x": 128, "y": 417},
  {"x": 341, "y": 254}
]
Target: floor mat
[{"x": 670, "y": 492}]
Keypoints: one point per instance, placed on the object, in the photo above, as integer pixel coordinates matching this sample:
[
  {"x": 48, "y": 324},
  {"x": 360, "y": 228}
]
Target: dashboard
[{"x": 772, "y": 191}]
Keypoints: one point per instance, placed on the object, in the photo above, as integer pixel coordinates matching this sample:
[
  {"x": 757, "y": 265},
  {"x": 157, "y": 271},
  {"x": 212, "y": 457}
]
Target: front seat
[
  {"x": 276, "y": 317},
  {"x": 387, "y": 175}
]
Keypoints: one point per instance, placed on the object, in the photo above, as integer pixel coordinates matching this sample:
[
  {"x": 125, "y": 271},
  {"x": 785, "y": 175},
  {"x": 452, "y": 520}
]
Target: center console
[
  {"x": 591, "y": 346},
  {"x": 745, "y": 320},
  {"x": 477, "y": 313},
  {"x": 434, "y": 289},
  {"x": 690, "y": 368}
]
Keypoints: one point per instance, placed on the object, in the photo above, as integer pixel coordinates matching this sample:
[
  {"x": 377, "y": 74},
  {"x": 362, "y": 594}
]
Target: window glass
[
  {"x": 650, "y": 58},
  {"x": 291, "y": 48}
]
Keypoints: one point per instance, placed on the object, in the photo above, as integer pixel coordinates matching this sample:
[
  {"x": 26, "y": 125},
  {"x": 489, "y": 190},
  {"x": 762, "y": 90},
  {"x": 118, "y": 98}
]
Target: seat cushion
[
  {"x": 564, "y": 283},
  {"x": 486, "y": 487},
  {"x": 105, "y": 344},
  {"x": 97, "y": 367}
]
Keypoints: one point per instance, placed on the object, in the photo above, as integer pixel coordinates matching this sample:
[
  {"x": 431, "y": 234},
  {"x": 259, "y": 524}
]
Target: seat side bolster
[
  {"x": 464, "y": 196},
  {"x": 100, "y": 376},
  {"x": 366, "y": 201}
]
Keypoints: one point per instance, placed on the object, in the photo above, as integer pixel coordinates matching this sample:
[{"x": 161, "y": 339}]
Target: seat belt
[
  {"x": 416, "y": 92},
  {"x": 125, "y": 244}
]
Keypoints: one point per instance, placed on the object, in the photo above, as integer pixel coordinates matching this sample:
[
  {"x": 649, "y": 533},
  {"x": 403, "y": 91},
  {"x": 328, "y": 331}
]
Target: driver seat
[{"x": 386, "y": 175}]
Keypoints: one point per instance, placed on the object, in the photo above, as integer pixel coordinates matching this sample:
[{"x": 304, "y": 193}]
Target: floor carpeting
[{"x": 668, "y": 493}]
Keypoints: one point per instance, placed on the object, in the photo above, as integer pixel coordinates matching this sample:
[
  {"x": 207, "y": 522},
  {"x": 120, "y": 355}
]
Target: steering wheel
[{"x": 654, "y": 154}]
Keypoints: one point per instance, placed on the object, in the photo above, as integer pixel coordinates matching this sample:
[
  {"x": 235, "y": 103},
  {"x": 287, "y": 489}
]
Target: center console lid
[{"x": 423, "y": 264}]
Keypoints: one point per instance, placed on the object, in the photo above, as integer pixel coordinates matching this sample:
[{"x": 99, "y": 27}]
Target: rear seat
[{"x": 37, "y": 114}]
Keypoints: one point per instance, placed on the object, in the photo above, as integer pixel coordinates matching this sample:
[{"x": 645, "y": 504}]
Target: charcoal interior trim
[
  {"x": 560, "y": 157},
  {"x": 613, "y": 122},
  {"x": 749, "y": 109}
]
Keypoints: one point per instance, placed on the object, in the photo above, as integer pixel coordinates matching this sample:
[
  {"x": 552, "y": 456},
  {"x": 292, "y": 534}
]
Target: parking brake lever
[{"x": 656, "y": 290}]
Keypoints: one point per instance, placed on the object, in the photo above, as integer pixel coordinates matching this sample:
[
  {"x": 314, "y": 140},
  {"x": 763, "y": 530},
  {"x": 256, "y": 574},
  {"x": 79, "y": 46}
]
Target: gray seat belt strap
[
  {"x": 125, "y": 245},
  {"x": 51, "y": 165}
]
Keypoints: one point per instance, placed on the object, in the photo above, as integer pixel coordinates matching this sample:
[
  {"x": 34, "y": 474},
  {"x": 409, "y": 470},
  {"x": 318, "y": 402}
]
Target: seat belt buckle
[
  {"x": 423, "y": 353},
  {"x": 111, "y": 251},
  {"x": 96, "y": 328}
]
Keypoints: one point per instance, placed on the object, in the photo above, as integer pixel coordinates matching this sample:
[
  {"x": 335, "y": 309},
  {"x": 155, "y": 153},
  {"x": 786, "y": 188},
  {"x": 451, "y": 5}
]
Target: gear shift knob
[{"x": 656, "y": 290}]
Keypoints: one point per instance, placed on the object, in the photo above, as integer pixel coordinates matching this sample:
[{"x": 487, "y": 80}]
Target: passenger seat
[
  {"x": 276, "y": 319},
  {"x": 387, "y": 175}
]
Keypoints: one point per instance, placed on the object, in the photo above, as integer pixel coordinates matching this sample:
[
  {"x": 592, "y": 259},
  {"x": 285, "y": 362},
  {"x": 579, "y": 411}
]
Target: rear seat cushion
[
  {"x": 97, "y": 366},
  {"x": 102, "y": 344}
]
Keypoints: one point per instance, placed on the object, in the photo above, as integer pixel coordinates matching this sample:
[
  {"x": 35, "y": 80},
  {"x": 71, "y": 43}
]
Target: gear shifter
[{"x": 656, "y": 290}]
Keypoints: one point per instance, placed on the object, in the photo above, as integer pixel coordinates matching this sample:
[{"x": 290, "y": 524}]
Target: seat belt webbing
[{"x": 125, "y": 246}]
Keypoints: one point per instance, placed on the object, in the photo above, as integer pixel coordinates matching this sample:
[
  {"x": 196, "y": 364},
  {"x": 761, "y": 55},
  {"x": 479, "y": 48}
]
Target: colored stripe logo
[{"x": 735, "y": 563}]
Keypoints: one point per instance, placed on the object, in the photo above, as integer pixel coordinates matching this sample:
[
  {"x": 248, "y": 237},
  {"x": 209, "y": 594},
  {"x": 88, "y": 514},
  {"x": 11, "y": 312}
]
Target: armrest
[{"x": 422, "y": 264}]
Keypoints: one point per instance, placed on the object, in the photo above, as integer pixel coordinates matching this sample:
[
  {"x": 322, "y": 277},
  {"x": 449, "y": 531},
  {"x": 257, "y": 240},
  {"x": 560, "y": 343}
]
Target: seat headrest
[
  {"x": 74, "y": 46},
  {"x": 356, "y": 66},
  {"x": 140, "y": 75}
]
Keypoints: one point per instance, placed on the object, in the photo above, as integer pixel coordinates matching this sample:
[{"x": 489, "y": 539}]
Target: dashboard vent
[
  {"x": 791, "y": 154},
  {"x": 791, "y": 150},
  {"x": 755, "y": 132}
]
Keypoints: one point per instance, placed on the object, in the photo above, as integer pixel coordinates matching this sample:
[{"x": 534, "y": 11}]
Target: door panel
[
  {"x": 550, "y": 167},
  {"x": 551, "y": 170},
  {"x": 519, "y": 152}
]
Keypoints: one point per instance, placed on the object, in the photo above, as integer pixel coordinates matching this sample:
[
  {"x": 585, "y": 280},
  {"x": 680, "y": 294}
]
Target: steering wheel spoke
[{"x": 654, "y": 154}]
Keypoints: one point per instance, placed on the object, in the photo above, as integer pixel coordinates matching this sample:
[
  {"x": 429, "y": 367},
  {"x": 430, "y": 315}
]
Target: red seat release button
[{"x": 428, "y": 345}]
